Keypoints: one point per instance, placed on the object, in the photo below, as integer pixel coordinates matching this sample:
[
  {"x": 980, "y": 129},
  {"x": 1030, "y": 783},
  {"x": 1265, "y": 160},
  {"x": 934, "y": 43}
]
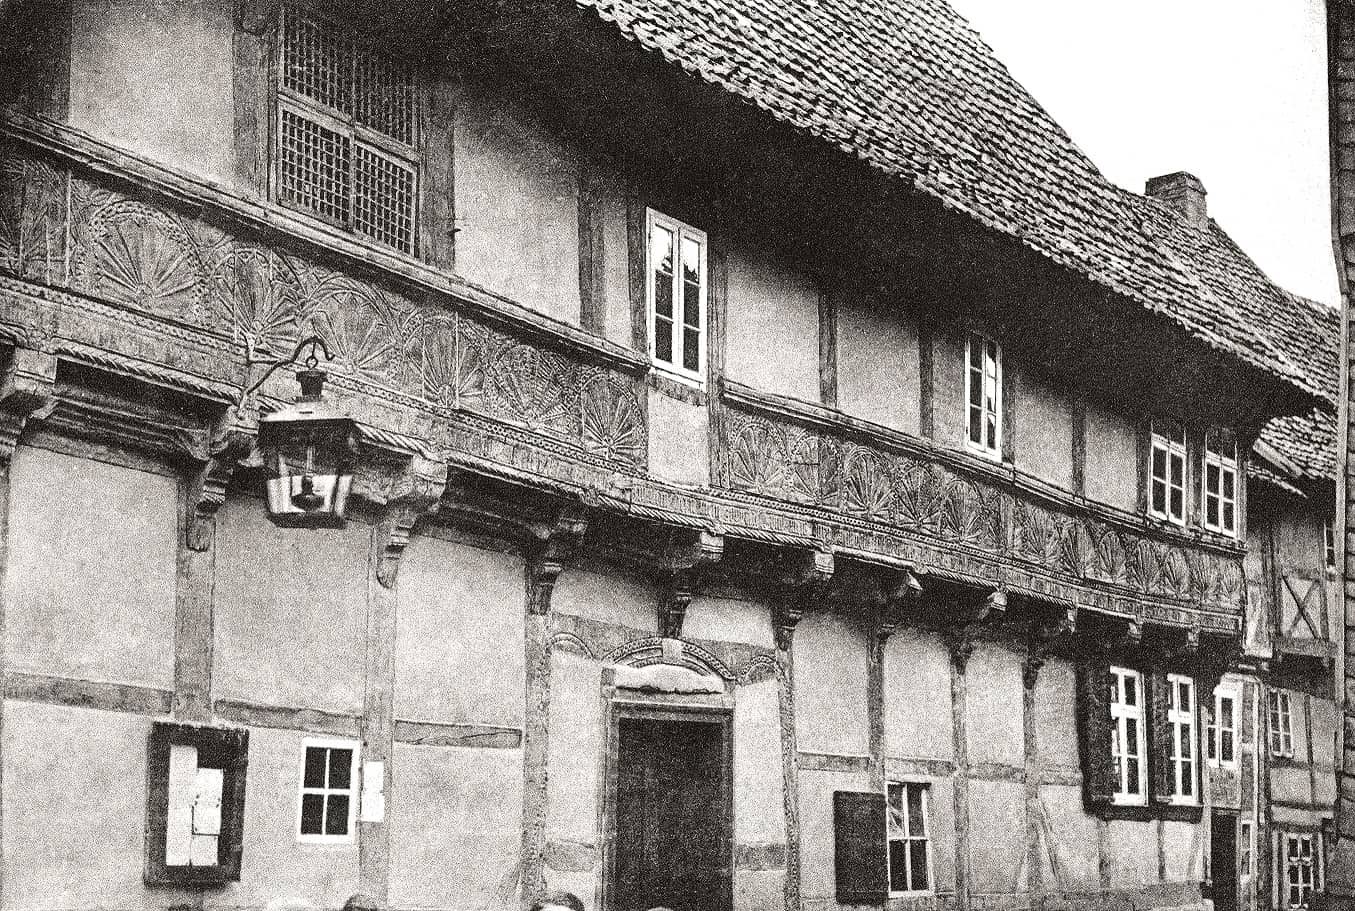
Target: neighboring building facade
[{"x": 755, "y": 504}]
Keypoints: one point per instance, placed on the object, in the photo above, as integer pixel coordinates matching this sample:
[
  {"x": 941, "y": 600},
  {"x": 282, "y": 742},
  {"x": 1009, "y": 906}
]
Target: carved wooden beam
[
  {"x": 686, "y": 565},
  {"x": 897, "y": 597},
  {"x": 969, "y": 618},
  {"x": 557, "y": 546},
  {"x": 216, "y": 456},
  {"x": 415, "y": 494},
  {"x": 1044, "y": 636},
  {"x": 805, "y": 582},
  {"x": 26, "y": 391}
]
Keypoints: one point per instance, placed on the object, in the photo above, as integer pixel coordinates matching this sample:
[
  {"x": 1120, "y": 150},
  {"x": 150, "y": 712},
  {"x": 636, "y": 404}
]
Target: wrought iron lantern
[{"x": 309, "y": 446}]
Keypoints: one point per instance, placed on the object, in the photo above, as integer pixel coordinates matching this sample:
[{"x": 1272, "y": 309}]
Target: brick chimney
[{"x": 1183, "y": 192}]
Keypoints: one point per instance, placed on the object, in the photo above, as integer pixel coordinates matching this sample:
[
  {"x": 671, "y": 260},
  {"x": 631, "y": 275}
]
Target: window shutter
[
  {"x": 859, "y": 849},
  {"x": 1161, "y": 773},
  {"x": 1093, "y": 722}
]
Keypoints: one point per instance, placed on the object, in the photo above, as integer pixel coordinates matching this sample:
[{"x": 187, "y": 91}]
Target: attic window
[
  {"x": 1220, "y": 482},
  {"x": 676, "y": 297},
  {"x": 346, "y": 148},
  {"x": 1167, "y": 472}
]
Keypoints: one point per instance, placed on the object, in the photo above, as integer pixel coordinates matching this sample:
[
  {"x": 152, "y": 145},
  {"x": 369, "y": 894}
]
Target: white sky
[{"x": 1233, "y": 91}]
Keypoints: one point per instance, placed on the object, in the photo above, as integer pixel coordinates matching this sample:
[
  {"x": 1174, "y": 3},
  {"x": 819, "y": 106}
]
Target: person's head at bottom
[{"x": 558, "y": 901}]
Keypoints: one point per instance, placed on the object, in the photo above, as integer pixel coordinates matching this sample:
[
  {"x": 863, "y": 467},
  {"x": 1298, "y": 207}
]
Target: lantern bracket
[{"x": 311, "y": 362}]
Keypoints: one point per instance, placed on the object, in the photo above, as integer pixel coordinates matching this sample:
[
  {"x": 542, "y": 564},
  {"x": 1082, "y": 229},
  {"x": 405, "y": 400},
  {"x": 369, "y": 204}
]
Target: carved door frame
[{"x": 719, "y": 711}]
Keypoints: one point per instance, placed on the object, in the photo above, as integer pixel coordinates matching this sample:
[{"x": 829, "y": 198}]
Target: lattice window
[
  {"x": 1302, "y": 868},
  {"x": 329, "y": 797},
  {"x": 346, "y": 147}
]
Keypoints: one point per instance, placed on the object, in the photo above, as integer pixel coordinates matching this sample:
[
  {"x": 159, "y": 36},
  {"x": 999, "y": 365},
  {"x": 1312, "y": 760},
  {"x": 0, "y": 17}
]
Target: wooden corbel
[
  {"x": 686, "y": 564},
  {"x": 805, "y": 583},
  {"x": 215, "y": 455},
  {"x": 961, "y": 635},
  {"x": 899, "y": 596},
  {"x": 1044, "y": 636},
  {"x": 27, "y": 390},
  {"x": 557, "y": 546},
  {"x": 415, "y": 494}
]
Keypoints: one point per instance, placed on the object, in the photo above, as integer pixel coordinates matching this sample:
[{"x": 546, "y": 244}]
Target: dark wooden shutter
[
  {"x": 1099, "y": 778},
  {"x": 1161, "y": 774},
  {"x": 860, "y": 848}
]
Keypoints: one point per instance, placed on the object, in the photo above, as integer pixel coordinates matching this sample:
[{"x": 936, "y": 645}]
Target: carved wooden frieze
[
  {"x": 855, "y": 483},
  {"x": 122, "y": 251}
]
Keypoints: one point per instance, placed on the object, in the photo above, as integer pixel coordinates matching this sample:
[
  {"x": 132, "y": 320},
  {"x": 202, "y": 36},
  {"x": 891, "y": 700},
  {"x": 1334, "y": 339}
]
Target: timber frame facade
[{"x": 554, "y": 544}]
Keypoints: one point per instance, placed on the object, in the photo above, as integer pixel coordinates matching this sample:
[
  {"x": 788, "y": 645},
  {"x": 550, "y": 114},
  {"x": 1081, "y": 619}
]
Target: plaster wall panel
[
  {"x": 89, "y": 589},
  {"x": 459, "y": 643},
  {"x": 1325, "y": 719},
  {"x": 1290, "y": 784},
  {"x": 77, "y": 807},
  {"x": 275, "y": 863},
  {"x": 997, "y": 819},
  {"x": 948, "y": 395},
  {"x": 575, "y": 749},
  {"x": 917, "y": 702},
  {"x": 830, "y": 685},
  {"x": 729, "y": 619},
  {"x": 616, "y": 261},
  {"x": 1131, "y": 853},
  {"x": 155, "y": 77},
  {"x": 817, "y": 873},
  {"x": 443, "y": 795},
  {"x": 290, "y": 628},
  {"x": 516, "y": 204},
  {"x": 1183, "y": 849},
  {"x": 993, "y": 707},
  {"x": 610, "y": 598},
  {"x": 758, "y": 809},
  {"x": 877, "y": 363},
  {"x": 1111, "y": 472},
  {"x": 772, "y": 326},
  {"x": 1056, "y": 712},
  {"x": 679, "y": 445},
  {"x": 1044, "y": 428},
  {"x": 759, "y": 890},
  {"x": 1071, "y": 855}
]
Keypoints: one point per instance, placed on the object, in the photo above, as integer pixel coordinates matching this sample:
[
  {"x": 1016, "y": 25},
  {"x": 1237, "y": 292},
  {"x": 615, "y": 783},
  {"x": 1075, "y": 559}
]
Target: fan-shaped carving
[
  {"x": 1108, "y": 564},
  {"x": 612, "y": 425},
  {"x": 361, "y": 331},
  {"x": 1174, "y": 577},
  {"x": 440, "y": 361},
  {"x": 757, "y": 458},
  {"x": 918, "y": 496},
  {"x": 32, "y": 230},
  {"x": 1036, "y": 535},
  {"x": 1075, "y": 549},
  {"x": 1141, "y": 565},
  {"x": 866, "y": 487},
  {"x": 256, "y": 293},
  {"x": 804, "y": 463},
  {"x": 964, "y": 516},
  {"x": 533, "y": 387},
  {"x": 143, "y": 259},
  {"x": 1230, "y": 582}
]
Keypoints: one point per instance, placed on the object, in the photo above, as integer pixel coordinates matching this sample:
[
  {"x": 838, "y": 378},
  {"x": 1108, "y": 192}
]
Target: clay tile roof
[{"x": 908, "y": 87}]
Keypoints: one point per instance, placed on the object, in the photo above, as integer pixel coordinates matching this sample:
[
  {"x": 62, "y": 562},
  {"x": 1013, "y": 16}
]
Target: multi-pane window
[
  {"x": 1329, "y": 542},
  {"x": 983, "y": 395},
  {"x": 1246, "y": 847},
  {"x": 1221, "y": 735},
  {"x": 346, "y": 145},
  {"x": 1302, "y": 867},
  {"x": 676, "y": 293},
  {"x": 1181, "y": 719},
  {"x": 1281, "y": 724},
  {"x": 909, "y": 857},
  {"x": 1167, "y": 472},
  {"x": 1220, "y": 481},
  {"x": 1126, "y": 735},
  {"x": 328, "y": 791}
]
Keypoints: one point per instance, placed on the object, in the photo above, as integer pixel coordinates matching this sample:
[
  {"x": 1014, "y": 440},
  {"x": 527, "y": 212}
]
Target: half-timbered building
[{"x": 766, "y": 465}]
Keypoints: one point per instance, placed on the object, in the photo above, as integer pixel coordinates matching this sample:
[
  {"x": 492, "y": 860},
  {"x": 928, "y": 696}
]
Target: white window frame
[
  {"x": 1122, "y": 717},
  {"x": 1311, "y": 864},
  {"x": 1172, "y": 447},
  {"x": 1222, "y": 727},
  {"x": 681, "y": 231},
  {"x": 352, "y": 791},
  {"x": 925, "y": 838},
  {"x": 1227, "y": 467},
  {"x": 1280, "y": 726},
  {"x": 991, "y": 449},
  {"x": 1184, "y": 737}
]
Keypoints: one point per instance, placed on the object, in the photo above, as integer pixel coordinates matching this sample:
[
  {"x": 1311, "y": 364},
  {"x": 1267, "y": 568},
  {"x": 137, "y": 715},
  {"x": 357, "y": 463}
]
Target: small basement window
[
  {"x": 1167, "y": 472},
  {"x": 329, "y": 798},
  {"x": 195, "y": 803}
]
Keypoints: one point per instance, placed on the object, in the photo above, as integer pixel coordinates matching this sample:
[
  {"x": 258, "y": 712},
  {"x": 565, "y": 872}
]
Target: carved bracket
[
  {"x": 415, "y": 494},
  {"x": 26, "y": 391},
  {"x": 970, "y": 618},
  {"x": 899, "y": 596},
  {"x": 217, "y": 457},
  {"x": 685, "y": 567},
  {"x": 805, "y": 583},
  {"x": 1044, "y": 637},
  {"x": 557, "y": 547}
]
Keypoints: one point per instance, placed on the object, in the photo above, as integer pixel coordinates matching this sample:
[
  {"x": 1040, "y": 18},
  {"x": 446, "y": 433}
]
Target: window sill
[
  {"x": 1148, "y": 812},
  {"x": 675, "y": 387}
]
